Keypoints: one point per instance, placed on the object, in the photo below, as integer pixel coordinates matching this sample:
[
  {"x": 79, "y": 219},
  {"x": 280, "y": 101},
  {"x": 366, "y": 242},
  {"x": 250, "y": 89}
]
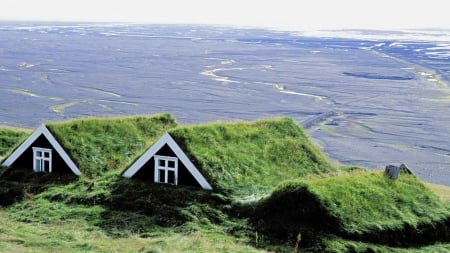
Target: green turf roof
[
  {"x": 10, "y": 138},
  {"x": 358, "y": 203},
  {"x": 100, "y": 144},
  {"x": 366, "y": 201},
  {"x": 251, "y": 156}
]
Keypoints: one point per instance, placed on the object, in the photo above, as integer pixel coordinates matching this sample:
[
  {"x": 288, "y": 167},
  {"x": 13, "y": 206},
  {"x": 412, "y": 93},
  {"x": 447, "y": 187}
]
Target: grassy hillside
[{"x": 252, "y": 157}]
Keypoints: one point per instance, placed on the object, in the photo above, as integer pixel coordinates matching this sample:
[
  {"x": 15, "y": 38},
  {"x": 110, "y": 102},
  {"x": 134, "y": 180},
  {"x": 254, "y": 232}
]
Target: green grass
[
  {"x": 10, "y": 138},
  {"x": 339, "y": 245},
  {"x": 76, "y": 234},
  {"x": 105, "y": 213},
  {"x": 369, "y": 201},
  {"x": 361, "y": 205},
  {"x": 251, "y": 157},
  {"x": 100, "y": 144}
]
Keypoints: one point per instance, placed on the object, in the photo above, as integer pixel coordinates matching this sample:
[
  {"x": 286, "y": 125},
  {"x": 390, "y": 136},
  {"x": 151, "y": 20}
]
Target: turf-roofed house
[
  {"x": 41, "y": 152},
  {"x": 166, "y": 163},
  {"x": 241, "y": 158}
]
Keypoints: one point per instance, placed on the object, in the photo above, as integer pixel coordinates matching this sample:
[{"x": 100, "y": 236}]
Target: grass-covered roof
[
  {"x": 10, "y": 138},
  {"x": 251, "y": 157},
  {"x": 361, "y": 204},
  {"x": 100, "y": 144},
  {"x": 368, "y": 201}
]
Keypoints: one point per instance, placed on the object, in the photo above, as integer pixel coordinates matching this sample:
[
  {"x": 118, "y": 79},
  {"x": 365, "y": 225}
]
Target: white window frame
[
  {"x": 39, "y": 160},
  {"x": 166, "y": 169}
]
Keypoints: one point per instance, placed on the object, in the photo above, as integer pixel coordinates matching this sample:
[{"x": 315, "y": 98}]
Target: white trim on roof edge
[
  {"x": 42, "y": 130},
  {"x": 167, "y": 139}
]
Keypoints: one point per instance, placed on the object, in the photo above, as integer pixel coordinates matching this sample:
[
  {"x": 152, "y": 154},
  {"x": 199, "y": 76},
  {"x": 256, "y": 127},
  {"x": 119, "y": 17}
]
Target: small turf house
[
  {"x": 41, "y": 152},
  {"x": 165, "y": 162},
  {"x": 230, "y": 156}
]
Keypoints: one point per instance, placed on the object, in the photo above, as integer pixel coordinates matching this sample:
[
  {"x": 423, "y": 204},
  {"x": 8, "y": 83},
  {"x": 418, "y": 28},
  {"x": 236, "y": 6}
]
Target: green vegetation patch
[
  {"x": 364, "y": 202},
  {"x": 100, "y": 144},
  {"x": 361, "y": 205},
  {"x": 161, "y": 202},
  {"x": 251, "y": 157},
  {"x": 77, "y": 235},
  {"x": 118, "y": 209},
  {"x": 339, "y": 245}
]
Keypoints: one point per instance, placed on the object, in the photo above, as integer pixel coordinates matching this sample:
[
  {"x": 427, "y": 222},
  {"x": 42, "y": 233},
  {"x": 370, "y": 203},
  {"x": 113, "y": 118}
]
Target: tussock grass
[{"x": 252, "y": 157}]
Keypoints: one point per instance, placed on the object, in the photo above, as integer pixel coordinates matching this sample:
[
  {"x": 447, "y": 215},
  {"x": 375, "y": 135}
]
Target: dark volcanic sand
[{"x": 367, "y": 103}]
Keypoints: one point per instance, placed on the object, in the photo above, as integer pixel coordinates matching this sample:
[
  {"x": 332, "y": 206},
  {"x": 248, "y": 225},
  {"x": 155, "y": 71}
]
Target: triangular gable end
[
  {"x": 167, "y": 139},
  {"x": 42, "y": 130}
]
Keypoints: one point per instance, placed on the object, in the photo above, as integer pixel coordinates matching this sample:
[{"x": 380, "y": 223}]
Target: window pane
[
  {"x": 171, "y": 177},
  {"x": 162, "y": 163},
  {"x": 47, "y": 154},
  {"x": 162, "y": 176},
  {"x": 38, "y": 165},
  {"x": 38, "y": 153},
  {"x": 171, "y": 164},
  {"x": 46, "y": 167}
]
